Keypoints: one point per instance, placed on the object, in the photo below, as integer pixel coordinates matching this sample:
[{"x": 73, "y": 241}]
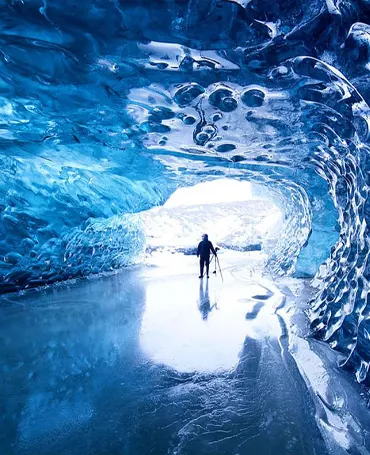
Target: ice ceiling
[{"x": 107, "y": 107}]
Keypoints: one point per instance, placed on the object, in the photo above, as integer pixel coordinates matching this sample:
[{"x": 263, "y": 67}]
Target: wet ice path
[{"x": 155, "y": 361}]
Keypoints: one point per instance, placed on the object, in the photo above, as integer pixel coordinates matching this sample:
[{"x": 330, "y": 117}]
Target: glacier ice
[
  {"x": 107, "y": 108},
  {"x": 154, "y": 361}
]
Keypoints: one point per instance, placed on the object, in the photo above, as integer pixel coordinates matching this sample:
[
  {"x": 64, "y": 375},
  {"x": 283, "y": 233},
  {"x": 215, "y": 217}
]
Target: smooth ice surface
[
  {"x": 212, "y": 342},
  {"x": 154, "y": 361}
]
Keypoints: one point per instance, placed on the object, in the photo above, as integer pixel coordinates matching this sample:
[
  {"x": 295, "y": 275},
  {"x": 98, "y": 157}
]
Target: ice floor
[{"x": 155, "y": 361}]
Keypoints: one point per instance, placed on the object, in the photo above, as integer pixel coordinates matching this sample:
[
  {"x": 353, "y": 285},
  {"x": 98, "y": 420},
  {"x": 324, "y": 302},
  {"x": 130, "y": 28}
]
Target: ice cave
[{"x": 129, "y": 129}]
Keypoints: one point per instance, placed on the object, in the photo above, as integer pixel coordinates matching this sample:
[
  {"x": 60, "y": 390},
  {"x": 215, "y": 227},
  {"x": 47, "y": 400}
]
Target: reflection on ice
[
  {"x": 180, "y": 331},
  {"x": 196, "y": 325},
  {"x": 155, "y": 361},
  {"x": 204, "y": 304}
]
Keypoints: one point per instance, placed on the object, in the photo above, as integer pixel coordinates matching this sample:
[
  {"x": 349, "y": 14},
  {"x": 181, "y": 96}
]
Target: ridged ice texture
[{"x": 107, "y": 106}]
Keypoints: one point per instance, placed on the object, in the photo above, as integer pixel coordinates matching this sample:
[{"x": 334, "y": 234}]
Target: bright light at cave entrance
[
  {"x": 235, "y": 214},
  {"x": 213, "y": 192}
]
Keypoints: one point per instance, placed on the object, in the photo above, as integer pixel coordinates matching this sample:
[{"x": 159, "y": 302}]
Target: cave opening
[
  {"x": 274, "y": 222},
  {"x": 237, "y": 215}
]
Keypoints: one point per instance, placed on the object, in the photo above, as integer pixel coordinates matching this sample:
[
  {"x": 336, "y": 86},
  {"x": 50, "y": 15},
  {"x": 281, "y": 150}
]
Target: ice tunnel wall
[{"x": 107, "y": 107}]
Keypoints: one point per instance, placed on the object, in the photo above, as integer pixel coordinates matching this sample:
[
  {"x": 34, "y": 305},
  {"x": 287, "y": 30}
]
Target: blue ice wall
[{"x": 107, "y": 107}]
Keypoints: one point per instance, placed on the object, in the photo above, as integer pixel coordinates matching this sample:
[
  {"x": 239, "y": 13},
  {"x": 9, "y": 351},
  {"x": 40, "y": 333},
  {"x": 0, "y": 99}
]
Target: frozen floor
[{"x": 155, "y": 361}]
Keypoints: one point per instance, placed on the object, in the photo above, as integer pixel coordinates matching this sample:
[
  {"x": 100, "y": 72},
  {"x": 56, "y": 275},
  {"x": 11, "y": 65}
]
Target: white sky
[{"x": 215, "y": 191}]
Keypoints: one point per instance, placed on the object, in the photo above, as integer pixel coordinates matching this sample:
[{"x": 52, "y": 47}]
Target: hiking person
[{"x": 205, "y": 248}]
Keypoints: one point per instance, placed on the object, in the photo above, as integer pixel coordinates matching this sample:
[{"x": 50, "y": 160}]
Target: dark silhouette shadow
[
  {"x": 254, "y": 312},
  {"x": 205, "y": 306}
]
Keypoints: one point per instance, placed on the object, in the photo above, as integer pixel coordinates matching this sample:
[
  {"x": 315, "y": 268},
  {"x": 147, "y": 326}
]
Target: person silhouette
[{"x": 205, "y": 248}]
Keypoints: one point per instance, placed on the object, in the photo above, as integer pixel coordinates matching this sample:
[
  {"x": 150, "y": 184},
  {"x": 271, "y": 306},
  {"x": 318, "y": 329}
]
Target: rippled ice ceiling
[{"x": 108, "y": 106}]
